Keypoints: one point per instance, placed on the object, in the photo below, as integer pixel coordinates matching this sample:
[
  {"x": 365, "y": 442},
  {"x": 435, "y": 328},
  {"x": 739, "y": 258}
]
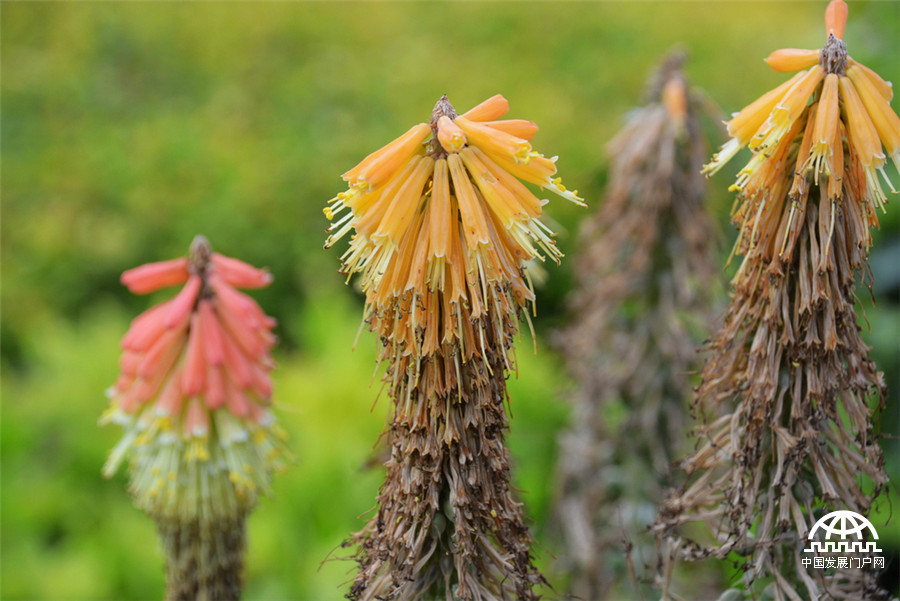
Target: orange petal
[
  {"x": 492, "y": 108},
  {"x": 836, "y": 18},
  {"x": 883, "y": 87},
  {"x": 378, "y": 167},
  {"x": 405, "y": 203},
  {"x": 519, "y": 128},
  {"x": 146, "y": 328},
  {"x": 215, "y": 387},
  {"x": 474, "y": 225},
  {"x": 154, "y": 276},
  {"x": 788, "y": 60},
  {"x": 170, "y": 399},
  {"x": 439, "y": 228},
  {"x": 748, "y": 121},
  {"x": 450, "y": 135},
  {"x": 495, "y": 141},
  {"x": 883, "y": 116},
  {"x": 210, "y": 333}
]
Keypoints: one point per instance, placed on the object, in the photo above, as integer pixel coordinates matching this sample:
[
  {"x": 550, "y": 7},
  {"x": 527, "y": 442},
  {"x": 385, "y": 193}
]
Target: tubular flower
[
  {"x": 645, "y": 281},
  {"x": 784, "y": 394},
  {"x": 441, "y": 238},
  {"x": 193, "y": 398}
]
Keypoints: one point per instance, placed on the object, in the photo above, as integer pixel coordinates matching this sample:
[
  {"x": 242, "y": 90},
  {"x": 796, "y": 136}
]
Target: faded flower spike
[
  {"x": 785, "y": 395},
  {"x": 443, "y": 228},
  {"x": 193, "y": 398},
  {"x": 645, "y": 281}
]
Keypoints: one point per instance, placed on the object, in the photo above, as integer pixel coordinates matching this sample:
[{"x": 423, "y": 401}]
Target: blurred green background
[{"x": 127, "y": 128}]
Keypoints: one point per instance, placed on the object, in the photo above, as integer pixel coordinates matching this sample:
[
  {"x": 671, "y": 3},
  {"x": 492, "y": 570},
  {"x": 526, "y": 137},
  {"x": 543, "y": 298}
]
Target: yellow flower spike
[
  {"x": 788, "y": 60},
  {"x": 374, "y": 170},
  {"x": 449, "y": 134},
  {"x": 884, "y": 87},
  {"x": 787, "y": 110},
  {"x": 864, "y": 138},
  {"x": 519, "y": 128},
  {"x": 886, "y": 122},
  {"x": 492, "y": 108},
  {"x": 495, "y": 141},
  {"x": 826, "y": 122}
]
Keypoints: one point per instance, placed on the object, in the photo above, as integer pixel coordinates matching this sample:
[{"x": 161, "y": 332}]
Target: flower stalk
[
  {"x": 785, "y": 394},
  {"x": 193, "y": 400},
  {"x": 442, "y": 229}
]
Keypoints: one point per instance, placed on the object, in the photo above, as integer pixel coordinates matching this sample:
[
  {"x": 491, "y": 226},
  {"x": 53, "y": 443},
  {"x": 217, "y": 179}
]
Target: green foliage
[{"x": 130, "y": 127}]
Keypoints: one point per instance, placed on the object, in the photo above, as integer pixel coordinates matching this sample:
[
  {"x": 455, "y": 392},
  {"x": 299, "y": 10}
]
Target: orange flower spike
[
  {"x": 492, "y": 108},
  {"x": 378, "y": 167},
  {"x": 519, "y": 128},
  {"x": 886, "y": 122},
  {"x": 788, "y": 60},
  {"x": 495, "y": 141},
  {"x": 182, "y": 305},
  {"x": 240, "y": 274},
  {"x": 153, "y": 276},
  {"x": 884, "y": 87},
  {"x": 450, "y": 135},
  {"x": 826, "y": 123},
  {"x": 404, "y": 205},
  {"x": 836, "y": 18},
  {"x": 788, "y": 110}
]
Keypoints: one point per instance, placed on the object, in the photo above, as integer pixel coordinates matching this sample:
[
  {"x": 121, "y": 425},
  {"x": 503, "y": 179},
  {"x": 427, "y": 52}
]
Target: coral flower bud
[
  {"x": 153, "y": 276},
  {"x": 450, "y": 135},
  {"x": 492, "y": 108}
]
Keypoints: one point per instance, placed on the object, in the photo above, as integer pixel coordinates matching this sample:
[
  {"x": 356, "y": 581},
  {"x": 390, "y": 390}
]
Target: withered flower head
[
  {"x": 645, "y": 278},
  {"x": 788, "y": 429},
  {"x": 442, "y": 231},
  {"x": 193, "y": 398}
]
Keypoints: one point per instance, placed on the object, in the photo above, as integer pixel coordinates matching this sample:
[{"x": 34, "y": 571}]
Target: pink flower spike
[
  {"x": 210, "y": 333},
  {"x": 237, "y": 402},
  {"x": 215, "y": 387},
  {"x": 153, "y": 276},
  {"x": 240, "y": 274},
  {"x": 170, "y": 399},
  {"x": 183, "y": 304},
  {"x": 146, "y": 328},
  {"x": 196, "y": 421},
  {"x": 194, "y": 379}
]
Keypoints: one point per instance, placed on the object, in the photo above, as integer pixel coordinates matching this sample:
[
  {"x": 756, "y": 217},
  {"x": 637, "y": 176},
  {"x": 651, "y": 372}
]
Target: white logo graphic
[{"x": 849, "y": 528}]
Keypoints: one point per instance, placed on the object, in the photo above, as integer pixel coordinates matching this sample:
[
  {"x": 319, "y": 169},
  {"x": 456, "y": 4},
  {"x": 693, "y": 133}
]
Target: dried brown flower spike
[
  {"x": 645, "y": 278},
  {"x": 787, "y": 424},
  {"x": 442, "y": 233}
]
